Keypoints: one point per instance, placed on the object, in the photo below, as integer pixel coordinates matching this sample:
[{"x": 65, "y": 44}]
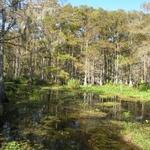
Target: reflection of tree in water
[{"x": 52, "y": 120}]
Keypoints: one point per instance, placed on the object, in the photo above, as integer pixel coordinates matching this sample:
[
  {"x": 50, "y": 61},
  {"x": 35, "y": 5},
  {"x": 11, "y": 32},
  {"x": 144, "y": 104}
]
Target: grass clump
[{"x": 73, "y": 84}]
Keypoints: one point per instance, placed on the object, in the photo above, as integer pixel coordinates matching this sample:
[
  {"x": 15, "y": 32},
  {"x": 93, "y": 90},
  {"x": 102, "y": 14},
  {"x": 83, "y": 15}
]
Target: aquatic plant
[
  {"x": 12, "y": 146},
  {"x": 127, "y": 115},
  {"x": 18, "y": 145}
]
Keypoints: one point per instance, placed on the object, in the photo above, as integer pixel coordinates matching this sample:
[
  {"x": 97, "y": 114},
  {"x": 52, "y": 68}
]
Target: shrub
[
  {"x": 64, "y": 76},
  {"x": 19, "y": 80},
  {"x": 144, "y": 86},
  {"x": 73, "y": 84},
  {"x": 40, "y": 82}
]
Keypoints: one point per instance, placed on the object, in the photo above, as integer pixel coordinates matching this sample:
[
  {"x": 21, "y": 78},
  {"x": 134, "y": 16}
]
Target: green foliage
[
  {"x": 10, "y": 86},
  {"x": 12, "y": 146},
  {"x": 127, "y": 115},
  {"x": 39, "y": 82},
  {"x": 66, "y": 42},
  {"x": 139, "y": 134},
  {"x": 144, "y": 86},
  {"x": 124, "y": 60},
  {"x": 73, "y": 84},
  {"x": 103, "y": 38},
  {"x": 64, "y": 75},
  {"x": 19, "y": 80},
  {"x": 15, "y": 145},
  {"x": 65, "y": 57},
  {"x": 122, "y": 91}
]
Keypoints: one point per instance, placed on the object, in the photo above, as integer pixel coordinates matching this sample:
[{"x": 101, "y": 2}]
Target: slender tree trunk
[
  {"x": 116, "y": 65},
  {"x": 101, "y": 76},
  {"x": 92, "y": 73},
  {"x": 31, "y": 67},
  {"x": 42, "y": 72},
  {"x": 86, "y": 65},
  {"x": 2, "y": 89},
  {"x": 85, "y": 73},
  {"x": 130, "y": 77},
  {"x": 145, "y": 70},
  {"x": 105, "y": 67},
  {"x": 17, "y": 64}
]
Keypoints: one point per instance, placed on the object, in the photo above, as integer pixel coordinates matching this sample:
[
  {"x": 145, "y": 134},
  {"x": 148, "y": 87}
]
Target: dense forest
[
  {"x": 54, "y": 43},
  {"x": 47, "y": 43}
]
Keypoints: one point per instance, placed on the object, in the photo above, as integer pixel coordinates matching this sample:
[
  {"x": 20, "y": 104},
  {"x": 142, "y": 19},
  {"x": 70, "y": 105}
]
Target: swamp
[
  {"x": 61, "y": 119},
  {"x": 74, "y": 76}
]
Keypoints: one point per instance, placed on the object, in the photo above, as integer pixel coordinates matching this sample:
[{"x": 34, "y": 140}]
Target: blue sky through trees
[{"x": 110, "y": 4}]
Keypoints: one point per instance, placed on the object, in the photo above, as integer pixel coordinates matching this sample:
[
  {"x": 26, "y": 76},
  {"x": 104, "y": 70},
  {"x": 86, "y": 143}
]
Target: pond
[{"x": 67, "y": 120}]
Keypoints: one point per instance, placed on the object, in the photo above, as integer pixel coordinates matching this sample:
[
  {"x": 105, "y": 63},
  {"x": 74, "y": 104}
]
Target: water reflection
[{"x": 60, "y": 120}]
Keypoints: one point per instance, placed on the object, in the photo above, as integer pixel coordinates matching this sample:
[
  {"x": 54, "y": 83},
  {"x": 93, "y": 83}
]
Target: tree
[
  {"x": 8, "y": 17},
  {"x": 62, "y": 42}
]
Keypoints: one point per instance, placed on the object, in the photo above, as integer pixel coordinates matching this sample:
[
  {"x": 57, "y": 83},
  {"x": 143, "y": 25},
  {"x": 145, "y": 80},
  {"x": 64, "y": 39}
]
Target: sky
[{"x": 127, "y": 5}]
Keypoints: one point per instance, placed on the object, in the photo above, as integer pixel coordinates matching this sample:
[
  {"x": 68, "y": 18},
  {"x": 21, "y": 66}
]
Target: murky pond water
[{"x": 60, "y": 120}]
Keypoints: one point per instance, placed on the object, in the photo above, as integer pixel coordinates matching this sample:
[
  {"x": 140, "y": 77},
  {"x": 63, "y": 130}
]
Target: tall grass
[{"x": 122, "y": 91}]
